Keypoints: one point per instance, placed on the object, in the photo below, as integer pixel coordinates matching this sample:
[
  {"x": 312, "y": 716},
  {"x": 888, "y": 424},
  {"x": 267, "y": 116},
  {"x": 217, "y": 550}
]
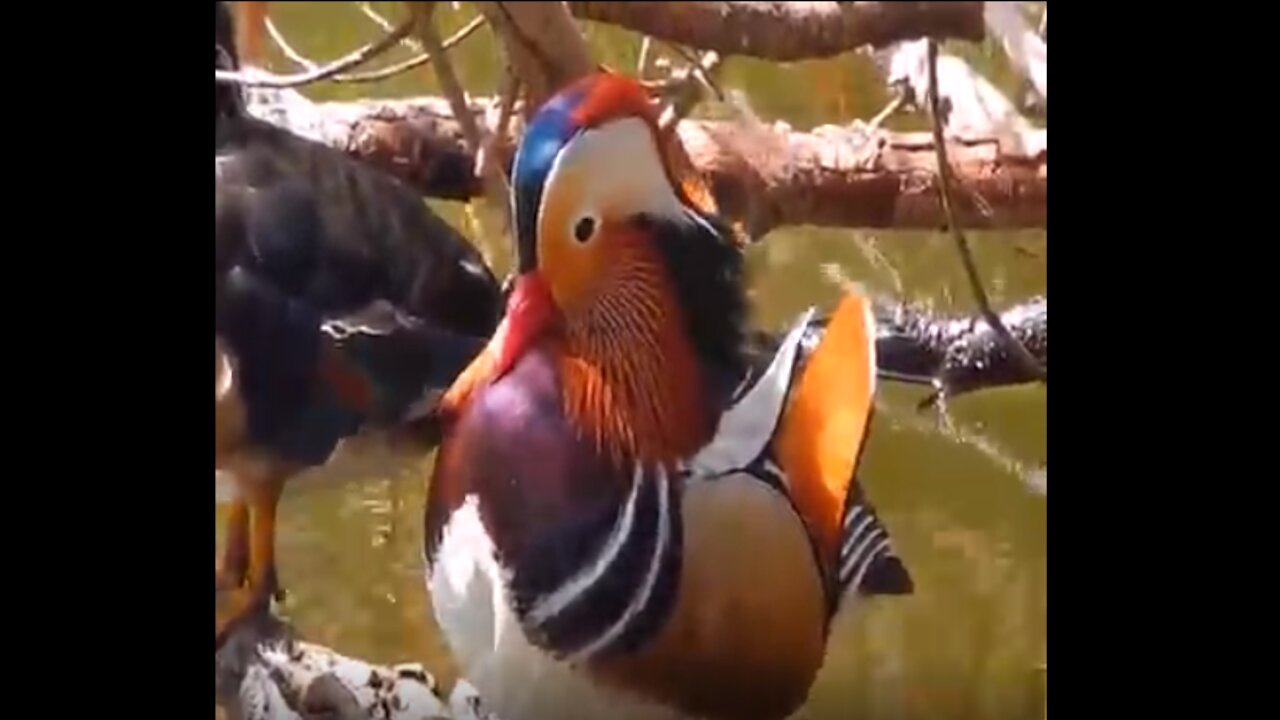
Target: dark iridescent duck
[
  {"x": 342, "y": 302},
  {"x": 632, "y": 516}
]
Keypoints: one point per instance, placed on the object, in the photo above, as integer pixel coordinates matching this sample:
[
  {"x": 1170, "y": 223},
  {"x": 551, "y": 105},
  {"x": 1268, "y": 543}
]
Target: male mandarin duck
[
  {"x": 342, "y": 303},
  {"x": 628, "y": 516}
]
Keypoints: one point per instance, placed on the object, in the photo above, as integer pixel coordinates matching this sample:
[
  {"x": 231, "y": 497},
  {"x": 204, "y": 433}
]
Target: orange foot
[
  {"x": 230, "y": 574},
  {"x": 250, "y": 550}
]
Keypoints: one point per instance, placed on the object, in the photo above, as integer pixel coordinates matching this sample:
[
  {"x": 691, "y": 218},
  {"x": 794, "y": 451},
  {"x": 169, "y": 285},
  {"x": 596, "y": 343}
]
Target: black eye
[{"x": 584, "y": 229}]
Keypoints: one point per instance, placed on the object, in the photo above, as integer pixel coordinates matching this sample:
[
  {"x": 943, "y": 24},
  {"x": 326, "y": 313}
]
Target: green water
[{"x": 964, "y": 505}]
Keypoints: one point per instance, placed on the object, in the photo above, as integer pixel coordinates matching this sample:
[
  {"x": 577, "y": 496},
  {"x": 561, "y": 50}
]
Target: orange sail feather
[{"x": 825, "y": 424}]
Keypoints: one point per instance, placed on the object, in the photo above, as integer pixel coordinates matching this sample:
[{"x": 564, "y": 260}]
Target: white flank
[{"x": 516, "y": 680}]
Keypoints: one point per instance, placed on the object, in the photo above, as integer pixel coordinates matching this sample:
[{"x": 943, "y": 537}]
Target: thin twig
[
  {"x": 487, "y": 165},
  {"x": 1018, "y": 350},
  {"x": 323, "y": 72},
  {"x": 496, "y": 182},
  {"x": 890, "y": 109},
  {"x": 532, "y": 47},
  {"x": 642, "y": 65},
  {"x": 448, "y": 79},
  {"x": 390, "y": 71},
  {"x": 285, "y": 47},
  {"x": 506, "y": 111},
  {"x": 687, "y": 86},
  {"x": 702, "y": 67},
  {"x": 410, "y": 42},
  {"x": 411, "y": 63}
]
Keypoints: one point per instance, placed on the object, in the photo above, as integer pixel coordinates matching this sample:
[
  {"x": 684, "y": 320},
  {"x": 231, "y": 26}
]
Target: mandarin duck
[
  {"x": 633, "y": 513},
  {"x": 341, "y": 303}
]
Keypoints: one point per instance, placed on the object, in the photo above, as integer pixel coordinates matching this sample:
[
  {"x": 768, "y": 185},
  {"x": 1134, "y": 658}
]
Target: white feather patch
[
  {"x": 620, "y": 169},
  {"x": 516, "y": 680},
  {"x": 747, "y": 426}
]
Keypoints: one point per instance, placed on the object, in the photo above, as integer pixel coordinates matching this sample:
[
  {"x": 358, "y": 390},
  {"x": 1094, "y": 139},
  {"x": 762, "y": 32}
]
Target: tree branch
[
  {"x": 686, "y": 87},
  {"x": 333, "y": 71},
  {"x": 321, "y": 72},
  {"x": 959, "y": 355},
  {"x": 417, "y": 61},
  {"x": 1014, "y": 346},
  {"x": 789, "y": 30},
  {"x": 765, "y": 176},
  {"x": 543, "y": 46}
]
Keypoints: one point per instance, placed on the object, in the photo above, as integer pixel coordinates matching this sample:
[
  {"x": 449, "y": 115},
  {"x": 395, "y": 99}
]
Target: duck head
[{"x": 605, "y": 218}]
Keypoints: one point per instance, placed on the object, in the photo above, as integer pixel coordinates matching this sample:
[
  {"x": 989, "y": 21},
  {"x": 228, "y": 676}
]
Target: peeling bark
[
  {"x": 763, "y": 176},
  {"x": 789, "y": 30},
  {"x": 265, "y": 673},
  {"x": 767, "y": 176}
]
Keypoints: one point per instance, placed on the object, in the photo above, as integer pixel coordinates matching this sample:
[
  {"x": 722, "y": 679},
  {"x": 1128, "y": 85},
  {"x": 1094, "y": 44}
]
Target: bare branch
[
  {"x": 891, "y": 108},
  {"x": 285, "y": 47},
  {"x": 444, "y": 74},
  {"x": 765, "y": 175},
  {"x": 789, "y": 30},
  {"x": 323, "y": 72},
  {"x": 492, "y": 158},
  {"x": 495, "y": 181},
  {"x": 642, "y": 64},
  {"x": 1014, "y": 345},
  {"x": 414, "y": 62},
  {"x": 387, "y": 26},
  {"x": 542, "y": 44},
  {"x": 772, "y": 30},
  {"x": 687, "y": 86},
  {"x": 332, "y": 72},
  {"x": 959, "y": 355}
]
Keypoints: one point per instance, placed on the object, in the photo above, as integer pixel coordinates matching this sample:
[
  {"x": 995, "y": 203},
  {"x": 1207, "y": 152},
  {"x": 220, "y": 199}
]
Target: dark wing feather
[{"x": 307, "y": 243}]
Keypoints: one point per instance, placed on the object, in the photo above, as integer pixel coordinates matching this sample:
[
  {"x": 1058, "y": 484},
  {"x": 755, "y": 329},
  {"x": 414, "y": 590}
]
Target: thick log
[
  {"x": 789, "y": 30},
  {"x": 767, "y": 176},
  {"x": 763, "y": 175}
]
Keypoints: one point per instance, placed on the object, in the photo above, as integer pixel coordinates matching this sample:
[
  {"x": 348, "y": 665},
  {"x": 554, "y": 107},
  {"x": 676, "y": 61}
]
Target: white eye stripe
[{"x": 619, "y": 167}]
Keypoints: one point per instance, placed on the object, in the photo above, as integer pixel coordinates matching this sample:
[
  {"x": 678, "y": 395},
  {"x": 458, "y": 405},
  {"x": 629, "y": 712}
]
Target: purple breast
[{"x": 542, "y": 487}]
